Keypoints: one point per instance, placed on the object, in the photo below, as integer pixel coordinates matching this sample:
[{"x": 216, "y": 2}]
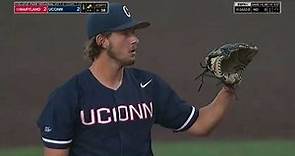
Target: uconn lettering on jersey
[{"x": 120, "y": 113}]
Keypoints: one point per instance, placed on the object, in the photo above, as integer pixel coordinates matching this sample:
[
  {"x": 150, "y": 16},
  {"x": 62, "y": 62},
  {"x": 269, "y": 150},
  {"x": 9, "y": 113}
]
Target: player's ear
[
  {"x": 105, "y": 43},
  {"x": 99, "y": 40},
  {"x": 102, "y": 41}
]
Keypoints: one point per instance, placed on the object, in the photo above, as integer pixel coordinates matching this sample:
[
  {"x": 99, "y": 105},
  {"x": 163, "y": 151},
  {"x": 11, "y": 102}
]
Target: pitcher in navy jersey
[{"x": 109, "y": 109}]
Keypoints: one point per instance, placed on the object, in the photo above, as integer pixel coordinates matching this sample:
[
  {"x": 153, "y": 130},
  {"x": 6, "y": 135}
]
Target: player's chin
[
  {"x": 129, "y": 62},
  {"x": 131, "y": 59}
]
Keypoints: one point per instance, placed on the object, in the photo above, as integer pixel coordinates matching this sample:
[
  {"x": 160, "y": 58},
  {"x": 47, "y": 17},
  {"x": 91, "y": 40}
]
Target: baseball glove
[{"x": 227, "y": 63}]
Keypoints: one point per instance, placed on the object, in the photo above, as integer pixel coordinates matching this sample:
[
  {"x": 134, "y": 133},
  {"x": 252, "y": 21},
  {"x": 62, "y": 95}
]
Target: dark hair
[{"x": 91, "y": 49}]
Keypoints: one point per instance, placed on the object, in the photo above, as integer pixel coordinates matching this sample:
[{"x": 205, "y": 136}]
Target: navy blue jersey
[{"x": 94, "y": 120}]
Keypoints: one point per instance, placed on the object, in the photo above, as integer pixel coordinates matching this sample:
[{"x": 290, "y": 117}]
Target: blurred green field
[{"x": 204, "y": 148}]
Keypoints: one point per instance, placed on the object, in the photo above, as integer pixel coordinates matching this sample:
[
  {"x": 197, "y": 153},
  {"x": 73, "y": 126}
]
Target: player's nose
[{"x": 134, "y": 39}]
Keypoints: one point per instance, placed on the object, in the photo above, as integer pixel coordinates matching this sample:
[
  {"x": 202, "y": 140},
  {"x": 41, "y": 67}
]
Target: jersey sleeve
[
  {"x": 56, "y": 121},
  {"x": 172, "y": 111}
]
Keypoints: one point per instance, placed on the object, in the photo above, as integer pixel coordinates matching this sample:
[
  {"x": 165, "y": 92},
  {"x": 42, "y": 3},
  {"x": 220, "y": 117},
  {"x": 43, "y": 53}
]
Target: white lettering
[
  {"x": 133, "y": 109},
  {"x": 125, "y": 111},
  {"x": 121, "y": 113},
  {"x": 99, "y": 120},
  {"x": 92, "y": 117},
  {"x": 115, "y": 114},
  {"x": 146, "y": 108}
]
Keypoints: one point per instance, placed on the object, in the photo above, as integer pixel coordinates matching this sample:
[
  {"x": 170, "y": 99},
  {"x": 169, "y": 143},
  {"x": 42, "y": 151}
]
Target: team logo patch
[
  {"x": 47, "y": 129},
  {"x": 126, "y": 11}
]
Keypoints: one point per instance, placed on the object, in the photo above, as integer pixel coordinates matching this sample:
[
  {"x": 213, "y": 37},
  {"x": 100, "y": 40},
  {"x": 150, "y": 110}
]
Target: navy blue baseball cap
[{"x": 118, "y": 18}]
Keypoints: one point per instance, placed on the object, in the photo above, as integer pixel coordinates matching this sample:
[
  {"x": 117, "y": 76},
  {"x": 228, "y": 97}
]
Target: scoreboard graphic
[
  {"x": 258, "y": 7},
  {"x": 61, "y": 7}
]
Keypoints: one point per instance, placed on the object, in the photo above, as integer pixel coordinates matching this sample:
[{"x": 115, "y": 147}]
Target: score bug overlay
[
  {"x": 61, "y": 7},
  {"x": 257, "y": 7}
]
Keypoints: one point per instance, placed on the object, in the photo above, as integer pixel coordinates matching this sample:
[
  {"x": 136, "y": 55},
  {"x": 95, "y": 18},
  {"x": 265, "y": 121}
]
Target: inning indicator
[
  {"x": 258, "y": 7},
  {"x": 61, "y": 7}
]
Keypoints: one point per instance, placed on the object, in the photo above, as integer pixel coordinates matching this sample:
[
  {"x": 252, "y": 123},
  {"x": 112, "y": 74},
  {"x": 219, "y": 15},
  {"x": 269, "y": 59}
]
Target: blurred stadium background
[{"x": 39, "y": 52}]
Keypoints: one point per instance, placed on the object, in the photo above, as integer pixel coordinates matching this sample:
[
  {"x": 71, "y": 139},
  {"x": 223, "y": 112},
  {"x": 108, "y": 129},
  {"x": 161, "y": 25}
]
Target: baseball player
[{"x": 109, "y": 109}]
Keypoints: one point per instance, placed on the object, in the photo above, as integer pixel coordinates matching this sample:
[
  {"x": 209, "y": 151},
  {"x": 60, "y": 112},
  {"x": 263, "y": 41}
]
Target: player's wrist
[{"x": 229, "y": 89}]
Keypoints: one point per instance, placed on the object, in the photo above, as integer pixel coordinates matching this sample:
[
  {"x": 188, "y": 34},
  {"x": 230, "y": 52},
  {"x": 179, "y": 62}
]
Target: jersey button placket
[{"x": 118, "y": 125}]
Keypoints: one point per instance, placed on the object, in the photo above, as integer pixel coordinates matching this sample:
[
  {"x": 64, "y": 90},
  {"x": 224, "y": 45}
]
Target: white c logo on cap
[{"x": 126, "y": 11}]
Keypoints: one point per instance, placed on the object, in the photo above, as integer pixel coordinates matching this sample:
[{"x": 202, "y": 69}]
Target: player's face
[{"x": 122, "y": 47}]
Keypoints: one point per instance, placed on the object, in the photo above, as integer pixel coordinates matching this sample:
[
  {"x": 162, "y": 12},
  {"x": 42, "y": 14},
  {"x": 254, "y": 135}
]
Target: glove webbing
[{"x": 204, "y": 73}]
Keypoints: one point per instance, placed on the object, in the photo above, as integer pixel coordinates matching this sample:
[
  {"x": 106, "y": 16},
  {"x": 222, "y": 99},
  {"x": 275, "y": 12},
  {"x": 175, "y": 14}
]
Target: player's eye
[{"x": 129, "y": 32}]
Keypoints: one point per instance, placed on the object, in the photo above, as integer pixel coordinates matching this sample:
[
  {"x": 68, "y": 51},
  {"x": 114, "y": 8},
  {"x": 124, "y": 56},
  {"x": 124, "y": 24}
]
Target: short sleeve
[
  {"x": 172, "y": 111},
  {"x": 57, "y": 120}
]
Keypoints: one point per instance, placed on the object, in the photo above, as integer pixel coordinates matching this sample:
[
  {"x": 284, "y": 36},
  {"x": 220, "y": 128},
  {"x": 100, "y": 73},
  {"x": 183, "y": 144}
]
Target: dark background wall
[{"x": 39, "y": 52}]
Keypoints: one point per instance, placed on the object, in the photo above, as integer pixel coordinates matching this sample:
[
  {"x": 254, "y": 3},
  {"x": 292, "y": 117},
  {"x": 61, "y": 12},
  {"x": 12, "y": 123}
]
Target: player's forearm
[
  {"x": 215, "y": 111},
  {"x": 210, "y": 115}
]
